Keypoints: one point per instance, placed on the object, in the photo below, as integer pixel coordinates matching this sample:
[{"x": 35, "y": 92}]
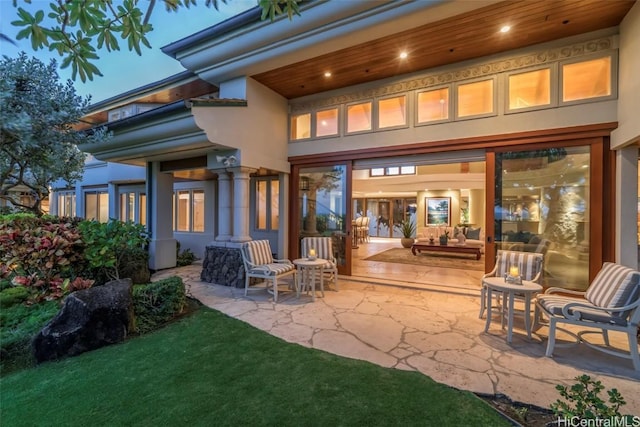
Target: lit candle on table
[
  {"x": 513, "y": 271},
  {"x": 312, "y": 253}
]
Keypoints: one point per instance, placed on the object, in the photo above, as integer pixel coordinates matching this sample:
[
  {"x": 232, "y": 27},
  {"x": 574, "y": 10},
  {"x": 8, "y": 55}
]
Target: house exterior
[{"x": 391, "y": 110}]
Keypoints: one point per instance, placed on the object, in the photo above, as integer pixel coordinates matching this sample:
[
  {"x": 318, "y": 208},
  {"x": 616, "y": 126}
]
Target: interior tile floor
[{"x": 422, "y": 319}]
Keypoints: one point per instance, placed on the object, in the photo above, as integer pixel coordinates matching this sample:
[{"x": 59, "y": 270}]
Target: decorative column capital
[{"x": 241, "y": 171}]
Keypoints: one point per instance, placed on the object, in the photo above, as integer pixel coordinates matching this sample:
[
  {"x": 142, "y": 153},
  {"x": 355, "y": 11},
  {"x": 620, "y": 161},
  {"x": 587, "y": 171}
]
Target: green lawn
[{"x": 209, "y": 369}]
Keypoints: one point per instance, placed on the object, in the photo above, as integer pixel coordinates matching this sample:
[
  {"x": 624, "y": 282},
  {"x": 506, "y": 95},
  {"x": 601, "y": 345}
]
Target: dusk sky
[{"x": 125, "y": 70}]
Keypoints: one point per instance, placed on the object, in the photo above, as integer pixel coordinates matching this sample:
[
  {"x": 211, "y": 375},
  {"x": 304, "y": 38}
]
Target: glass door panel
[
  {"x": 322, "y": 208},
  {"x": 542, "y": 205}
]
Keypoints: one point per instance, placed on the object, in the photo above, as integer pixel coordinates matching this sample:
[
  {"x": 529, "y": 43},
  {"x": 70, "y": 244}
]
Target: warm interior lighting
[
  {"x": 505, "y": 29},
  {"x": 403, "y": 55},
  {"x": 327, "y": 74}
]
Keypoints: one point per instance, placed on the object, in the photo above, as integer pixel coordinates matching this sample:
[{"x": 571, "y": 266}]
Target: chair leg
[
  {"x": 335, "y": 279},
  {"x": 633, "y": 348},
  {"x": 246, "y": 284},
  {"x": 605, "y": 337},
  {"x": 275, "y": 289},
  {"x": 483, "y": 295},
  {"x": 552, "y": 337}
]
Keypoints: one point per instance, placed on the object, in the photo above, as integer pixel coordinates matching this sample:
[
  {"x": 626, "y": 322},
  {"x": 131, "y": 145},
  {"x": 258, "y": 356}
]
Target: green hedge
[{"x": 156, "y": 303}]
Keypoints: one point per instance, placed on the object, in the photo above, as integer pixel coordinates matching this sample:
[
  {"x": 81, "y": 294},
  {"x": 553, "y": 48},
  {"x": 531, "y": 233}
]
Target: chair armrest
[
  {"x": 492, "y": 273},
  {"x": 575, "y": 306},
  {"x": 564, "y": 291},
  {"x": 282, "y": 261}
]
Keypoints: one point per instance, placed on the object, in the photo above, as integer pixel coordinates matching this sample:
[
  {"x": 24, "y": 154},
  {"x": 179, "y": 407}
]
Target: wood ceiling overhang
[{"x": 466, "y": 36}]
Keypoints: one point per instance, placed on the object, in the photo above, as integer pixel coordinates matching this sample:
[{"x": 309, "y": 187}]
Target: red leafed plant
[{"x": 38, "y": 254}]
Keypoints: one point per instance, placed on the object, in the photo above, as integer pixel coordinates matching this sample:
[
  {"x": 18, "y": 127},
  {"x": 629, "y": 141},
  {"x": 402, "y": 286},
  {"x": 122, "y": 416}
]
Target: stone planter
[{"x": 444, "y": 240}]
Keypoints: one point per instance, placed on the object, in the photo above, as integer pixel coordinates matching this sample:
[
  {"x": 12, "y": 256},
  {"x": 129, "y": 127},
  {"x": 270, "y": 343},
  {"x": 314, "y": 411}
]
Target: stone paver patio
[{"x": 433, "y": 331}]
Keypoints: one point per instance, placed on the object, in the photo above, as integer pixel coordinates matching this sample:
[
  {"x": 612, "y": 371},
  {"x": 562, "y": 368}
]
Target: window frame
[
  {"x": 268, "y": 180},
  {"x": 314, "y": 122},
  {"x": 376, "y": 112},
  {"x": 74, "y": 203},
  {"x": 613, "y": 54},
  {"x": 372, "y": 117},
  {"x": 191, "y": 215},
  {"x": 450, "y": 110},
  {"x": 97, "y": 192},
  {"x": 311, "y": 126},
  {"x": 456, "y": 88},
  {"x": 553, "y": 88}
]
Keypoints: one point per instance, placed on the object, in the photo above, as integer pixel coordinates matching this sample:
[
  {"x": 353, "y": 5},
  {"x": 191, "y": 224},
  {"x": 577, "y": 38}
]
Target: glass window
[
  {"x": 183, "y": 210},
  {"x": 143, "y": 208},
  {"x": 587, "y": 79},
  {"x": 530, "y": 89},
  {"x": 267, "y": 204},
  {"x": 392, "y": 112},
  {"x": 127, "y": 206},
  {"x": 67, "y": 204},
  {"x": 96, "y": 205},
  {"x": 395, "y": 170},
  {"x": 475, "y": 98},
  {"x": 407, "y": 170},
  {"x": 433, "y": 105},
  {"x": 275, "y": 204},
  {"x": 327, "y": 122},
  {"x": 377, "y": 172},
  {"x": 301, "y": 126},
  {"x": 198, "y": 210},
  {"x": 359, "y": 117},
  {"x": 261, "y": 205}
]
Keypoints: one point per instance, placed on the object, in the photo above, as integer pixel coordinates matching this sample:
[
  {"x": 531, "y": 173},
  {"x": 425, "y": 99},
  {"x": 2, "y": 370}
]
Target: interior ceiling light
[
  {"x": 403, "y": 55},
  {"x": 327, "y": 74},
  {"x": 505, "y": 29}
]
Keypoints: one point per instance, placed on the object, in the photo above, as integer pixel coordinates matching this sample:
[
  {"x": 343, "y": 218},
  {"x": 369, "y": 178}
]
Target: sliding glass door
[
  {"x": 542, "y": 204},
  {"x": 322, "y": 210}
]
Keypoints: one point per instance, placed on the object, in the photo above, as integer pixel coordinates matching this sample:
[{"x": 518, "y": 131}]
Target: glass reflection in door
[
  {"x": 542, "y": 205},
  {"x": 323, "y": 207}
]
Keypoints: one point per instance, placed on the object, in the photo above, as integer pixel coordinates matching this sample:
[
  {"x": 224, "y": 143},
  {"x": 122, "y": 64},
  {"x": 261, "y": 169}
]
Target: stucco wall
[
  {"x": 258, "y": 130},
  {"x": 629, "y": 83}
]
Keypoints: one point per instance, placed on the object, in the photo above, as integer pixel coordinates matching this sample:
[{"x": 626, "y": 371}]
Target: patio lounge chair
[
  {"x": 324, "y": 250},
  {"x": 611, "y": 303},
  {"x": 259, "y": 262},
  {"x": 529, "y": 265}
]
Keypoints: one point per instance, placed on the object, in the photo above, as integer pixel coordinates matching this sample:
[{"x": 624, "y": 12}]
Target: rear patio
[{"x": 431, "y": 328}]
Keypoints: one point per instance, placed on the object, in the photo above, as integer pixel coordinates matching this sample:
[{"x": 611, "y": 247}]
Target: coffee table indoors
[{"x": 436, "y": 247}]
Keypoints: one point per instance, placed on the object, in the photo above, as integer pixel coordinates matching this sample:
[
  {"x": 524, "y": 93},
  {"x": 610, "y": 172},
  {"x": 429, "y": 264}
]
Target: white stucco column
[
  {"x": 162, "y": 245},
  {"x": 627, "y": 212},
  {"x": 224, "y": 207},
  {"x": 241, "y": 204}
]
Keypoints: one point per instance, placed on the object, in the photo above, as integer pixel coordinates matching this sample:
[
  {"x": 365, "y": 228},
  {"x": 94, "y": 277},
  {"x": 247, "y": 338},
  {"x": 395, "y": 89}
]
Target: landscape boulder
[{"x": 89, "y": 319}]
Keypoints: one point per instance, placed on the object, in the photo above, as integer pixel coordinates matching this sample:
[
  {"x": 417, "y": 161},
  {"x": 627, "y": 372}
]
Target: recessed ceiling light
[
  {"x": 403, "y": 55},
  {"x": 505, "y": 29},
  {"x": 327, "y": 74}
]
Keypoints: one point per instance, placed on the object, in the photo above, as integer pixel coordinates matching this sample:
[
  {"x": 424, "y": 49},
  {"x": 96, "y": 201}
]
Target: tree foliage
[
  {"x": 37, "y": 141},
  {"x": 76, "y": 30}
]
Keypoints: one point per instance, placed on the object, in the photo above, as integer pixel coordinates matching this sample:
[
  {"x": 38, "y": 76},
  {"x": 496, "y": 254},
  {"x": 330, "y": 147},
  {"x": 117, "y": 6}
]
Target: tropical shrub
[
  {"x": 185, "y": 257},
  {"x": 156, "y": 303},
  {"x": 111, "y": 247},
  {"x": 582, "y": 400},
  {"x": 42, "y": 254}
]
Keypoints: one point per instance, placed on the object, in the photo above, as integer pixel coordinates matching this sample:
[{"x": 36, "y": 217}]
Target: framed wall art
[{"x": 438, "y": 211}]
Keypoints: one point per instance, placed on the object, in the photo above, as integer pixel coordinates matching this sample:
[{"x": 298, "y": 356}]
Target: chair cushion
[
  {"x": 529, "y": 264},
  {"x": 614, "y": 286},
  {"x": 258, "y": 252},
  {"x": 554, "y": 304},
  {"x": 274, "y": 269},
  {"x": 322, "y": 245}
]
